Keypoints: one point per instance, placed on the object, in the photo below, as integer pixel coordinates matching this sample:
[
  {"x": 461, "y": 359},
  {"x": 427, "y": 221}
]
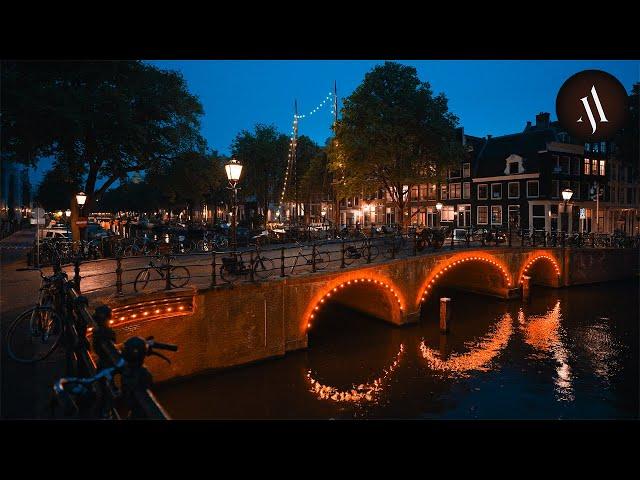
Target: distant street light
[
  {"x": 233, "y": 168},
  {"x": 67, "y": 213},
  {"x": 81, "y": 198},
  {"x": 567, "y": 193}
]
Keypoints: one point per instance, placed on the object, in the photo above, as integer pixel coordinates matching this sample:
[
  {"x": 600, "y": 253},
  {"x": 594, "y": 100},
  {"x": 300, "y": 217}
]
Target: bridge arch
[
  {"x": 393, "y": 301},
  {"x": 441, "y": 270},
  {"x": 534, "y": 261}
]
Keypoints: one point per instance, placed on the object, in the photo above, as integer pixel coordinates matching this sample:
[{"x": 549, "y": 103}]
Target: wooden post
[
  {"x": 445, "y": 314},
  {"x": 526, "y": 289}
]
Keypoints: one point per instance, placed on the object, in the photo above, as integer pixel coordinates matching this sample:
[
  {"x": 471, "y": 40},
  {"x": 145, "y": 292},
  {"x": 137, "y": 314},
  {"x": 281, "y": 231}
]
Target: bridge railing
[{"x": 127, "y": 275}]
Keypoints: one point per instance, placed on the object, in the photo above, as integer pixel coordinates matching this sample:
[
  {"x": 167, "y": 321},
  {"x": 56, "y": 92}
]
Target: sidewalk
[{"x": 16, "y": 245}]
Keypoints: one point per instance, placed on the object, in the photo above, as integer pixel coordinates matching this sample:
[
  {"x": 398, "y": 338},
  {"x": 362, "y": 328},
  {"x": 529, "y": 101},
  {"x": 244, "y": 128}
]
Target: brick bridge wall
[{"x": 245, "y": 323}]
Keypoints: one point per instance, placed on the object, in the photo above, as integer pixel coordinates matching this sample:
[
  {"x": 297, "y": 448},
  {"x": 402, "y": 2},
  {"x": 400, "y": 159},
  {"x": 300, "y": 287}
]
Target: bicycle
[
  {"x": 234, "y": 267},
  {"x": 321, "y": 259},
  {"x": 178, "y": 276},
  {"x": 96, "y": 396},
  {"x": 41, "y": 322},
  {"x": 360, "y": 249},
  {"x": 214, "y": 242},
  {"x": 392, "y": 245},
  {"x": 147, "y": 247}
]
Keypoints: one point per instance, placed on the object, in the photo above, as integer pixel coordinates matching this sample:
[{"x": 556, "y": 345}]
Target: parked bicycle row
[{"x": 61, "y": 320}]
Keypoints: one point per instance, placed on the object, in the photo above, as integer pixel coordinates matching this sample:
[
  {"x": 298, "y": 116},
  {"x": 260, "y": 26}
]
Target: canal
[{"x": 569, "y": 354}]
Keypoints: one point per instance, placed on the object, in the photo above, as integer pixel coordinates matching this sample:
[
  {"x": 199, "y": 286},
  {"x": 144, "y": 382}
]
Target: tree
[
  {"x": 264, "y": 156},
  {"x": 394, "y": 133},
  {"x": 57, "y": 187},
  {"x": 102, "y": 119}
]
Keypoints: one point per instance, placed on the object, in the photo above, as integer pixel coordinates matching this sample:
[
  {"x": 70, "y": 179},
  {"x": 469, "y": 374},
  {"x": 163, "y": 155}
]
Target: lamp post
[
  {"x": 567, "y": 193},
  {"x": 67, "y": 213},
  {"x": 81, "y": 198},
  {"x": 233, "y": 169},
  {"x": 439, "y": 210}
]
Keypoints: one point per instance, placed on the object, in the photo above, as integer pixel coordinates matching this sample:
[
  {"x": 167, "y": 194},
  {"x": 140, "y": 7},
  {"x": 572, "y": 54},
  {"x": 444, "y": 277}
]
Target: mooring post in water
[
  {"x": 526, "y": 291},
  {"x": 445, "y": 314}
]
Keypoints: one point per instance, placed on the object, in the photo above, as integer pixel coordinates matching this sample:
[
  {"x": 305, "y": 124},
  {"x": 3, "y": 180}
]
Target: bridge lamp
[
  {"x": 439, "y": 206},
  {"x": 81, "y": 198},
  {"x": 567, "y": 193},
  {"x": 233, "y": 168}
]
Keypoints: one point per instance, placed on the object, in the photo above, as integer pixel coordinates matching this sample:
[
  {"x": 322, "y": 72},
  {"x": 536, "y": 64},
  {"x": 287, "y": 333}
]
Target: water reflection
[
  {"x": 364, "y": 392},
  {"x": 481, "y": 351},
  {"x": 544, "y": 333}
]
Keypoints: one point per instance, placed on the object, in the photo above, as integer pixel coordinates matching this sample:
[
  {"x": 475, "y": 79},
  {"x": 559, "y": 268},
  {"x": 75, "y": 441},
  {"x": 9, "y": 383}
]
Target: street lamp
[
  {"x": 81, "y": 198},
  {"x": 567, "y": 193},
  {"x": 439, "y": 209},
  {"x": 67, "y": 213},
  {"x": 233, "y": 168}
]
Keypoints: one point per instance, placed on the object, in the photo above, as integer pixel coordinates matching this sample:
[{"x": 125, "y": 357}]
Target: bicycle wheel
[
  {"x": 229, "y": 273},
  {"x": 202, "y": 246},
  {"x": 263, "y": 267},
  {"x": 34, "y": 335},
  {"x": 374, "y": 253},
  {"x": 128, "y": 251},
  {"x": 151, "y": 249},
  {"x": 322, "y": 260},
  {"x": 180, "y": 276},
  {"x": 142, "y": 280},
  {"x": 351, "y": 254}
]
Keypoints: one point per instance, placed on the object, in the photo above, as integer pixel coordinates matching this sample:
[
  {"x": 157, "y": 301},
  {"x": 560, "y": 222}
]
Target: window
[
  {"x": 514, "y": 216},
  {"x": 538, "y": 217},
  {"x": 602, "y": 168},
  {"x": 454, "y": 190},
  {"x": 466, "y": 170},
  {"x": 564, "y": 165},
  {"x": 443, "y": 192},
  {"x": 514, "y": 189},
  {"x": 496, "y": 214},
  {"x": 575, "y": 166},
  {"x": 432, "y": 191},
  {"x": 555, "y": 159},
  {"x": 454, "y": 173},
  {"x": 483, "y": 213},
  {"x": 603, "y": 147},
  {"x": 513, "y": 168},
  {"x": 565, "y": 184},
  {"x": 466, "y": 190},
  {"x": 555, "y": 189},
  {"x": 587, "y": 147},
  {"x": 496, "y": 191},
  {"x": 594, "y": 147},
  {"x": 483, "y": 191},
  {"x": 587, "y": 166},
  {"x": 594, "y": 166},
  {"x": 423, "y": 192},
  {"x": 447, "y": 213},
  {"x": 414, "y": 193},
  {"x": 533, "y": 188}
]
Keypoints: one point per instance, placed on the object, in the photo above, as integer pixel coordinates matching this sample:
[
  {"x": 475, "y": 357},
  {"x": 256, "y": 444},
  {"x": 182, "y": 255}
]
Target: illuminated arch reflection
[
  {"x": 543, "y": 333},
  {"x": 481, "y": 353},
  {"x": 362, "y": 393}
]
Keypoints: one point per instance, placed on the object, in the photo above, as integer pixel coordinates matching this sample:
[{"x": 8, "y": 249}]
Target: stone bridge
[{"x": 227, "y": 325}]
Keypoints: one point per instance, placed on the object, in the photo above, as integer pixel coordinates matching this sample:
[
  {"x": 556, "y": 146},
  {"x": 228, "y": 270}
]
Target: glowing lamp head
[
  {"x": 81, "y": 198},
  {"x": 439, "y": 206},
  {"x": 233, "y": 169},
  {"x": 67, "y": 213},
  {"x": 567, "y": 193}
]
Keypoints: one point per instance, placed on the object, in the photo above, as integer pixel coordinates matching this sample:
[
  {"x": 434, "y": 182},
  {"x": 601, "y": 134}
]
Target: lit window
[
  {"x": 483, "y": 213},
  {"x": 602, "y": 168},
  {"x": 447, "y": 213},
  {"x": 443, "y": 192},
  {"x": 496, "y": 214},
  {"x": 432, "y": 191},
  {"x": 587, "y": 166},
  {"x": 594, "y": 166},
  {"x": 533, "y": 188},
  {"x": 483, "y": 191},
  {"x": 466, "y": 190},
  {"x": 454, "y": 191}
]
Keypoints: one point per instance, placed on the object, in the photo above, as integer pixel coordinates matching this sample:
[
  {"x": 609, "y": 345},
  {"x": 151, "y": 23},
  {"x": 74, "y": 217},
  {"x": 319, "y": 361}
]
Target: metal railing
[{"x": 123, "y": 275}]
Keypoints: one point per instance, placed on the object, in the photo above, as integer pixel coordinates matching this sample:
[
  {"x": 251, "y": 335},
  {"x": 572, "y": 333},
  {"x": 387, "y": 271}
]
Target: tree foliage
[
  {"x": 394, "y": 133},
  {"x": 263, "y": 154},
  {"x": 100, "y": 119},
  {"x": 57, "y": 188}
]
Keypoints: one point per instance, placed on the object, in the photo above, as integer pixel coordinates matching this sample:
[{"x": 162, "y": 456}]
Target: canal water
[{"x": 569, "y": 354}]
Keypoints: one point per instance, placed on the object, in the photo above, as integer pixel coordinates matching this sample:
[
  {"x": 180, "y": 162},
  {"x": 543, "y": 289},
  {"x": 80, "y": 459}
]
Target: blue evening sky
[{"x": 489, "y": 96}]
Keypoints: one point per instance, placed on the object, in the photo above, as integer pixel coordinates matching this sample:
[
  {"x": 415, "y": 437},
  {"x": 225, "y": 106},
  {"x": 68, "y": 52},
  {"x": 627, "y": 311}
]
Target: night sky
[{"x": 489, "y": 97}]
